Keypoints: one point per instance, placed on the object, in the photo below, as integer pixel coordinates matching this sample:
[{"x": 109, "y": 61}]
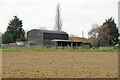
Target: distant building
[
  {"x": 84, "y": 42},
  {"x": 49, "y": 38},
  {"x": 42, "y": 38},
  {"x": 78, "y": 39}
]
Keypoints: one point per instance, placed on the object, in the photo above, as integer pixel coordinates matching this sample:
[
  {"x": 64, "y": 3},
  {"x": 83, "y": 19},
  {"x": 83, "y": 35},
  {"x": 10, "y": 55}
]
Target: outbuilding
[{"x": 42, "y": 38}]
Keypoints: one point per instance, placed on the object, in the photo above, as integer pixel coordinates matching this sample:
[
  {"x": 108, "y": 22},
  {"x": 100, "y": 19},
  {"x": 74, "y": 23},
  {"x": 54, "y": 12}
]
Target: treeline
[{"x": 104, "y": 35}]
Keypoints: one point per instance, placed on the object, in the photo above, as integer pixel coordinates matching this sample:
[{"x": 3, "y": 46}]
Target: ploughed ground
[{"x": 59, "y": 64}]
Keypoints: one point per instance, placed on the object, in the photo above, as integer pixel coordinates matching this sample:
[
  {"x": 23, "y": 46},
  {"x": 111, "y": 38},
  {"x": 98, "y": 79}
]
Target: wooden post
[
  {"x": 76, "y": 45},
  {"x": 72, "y": 45}
]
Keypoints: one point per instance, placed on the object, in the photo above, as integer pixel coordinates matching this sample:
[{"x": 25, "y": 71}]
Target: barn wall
[
  {"x": 35, "y": 37},
  {"x": 52, "y": 36}
]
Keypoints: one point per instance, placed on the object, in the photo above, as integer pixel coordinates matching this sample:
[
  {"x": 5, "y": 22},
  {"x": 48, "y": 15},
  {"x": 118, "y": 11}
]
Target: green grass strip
[{"x": 57, "y": 50}]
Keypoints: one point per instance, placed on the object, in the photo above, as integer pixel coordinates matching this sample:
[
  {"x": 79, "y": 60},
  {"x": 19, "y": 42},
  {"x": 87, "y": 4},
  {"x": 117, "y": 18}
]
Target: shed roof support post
[
  {"x": 76, "y": 45},
  {"x": 56, "y": 44},
  {"x": 71, "y": 44},
  {"x": 61, "y": 44}
]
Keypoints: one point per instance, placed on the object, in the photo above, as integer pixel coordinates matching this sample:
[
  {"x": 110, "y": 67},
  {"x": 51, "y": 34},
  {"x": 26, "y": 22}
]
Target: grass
[{"x": 57, "y": 50}]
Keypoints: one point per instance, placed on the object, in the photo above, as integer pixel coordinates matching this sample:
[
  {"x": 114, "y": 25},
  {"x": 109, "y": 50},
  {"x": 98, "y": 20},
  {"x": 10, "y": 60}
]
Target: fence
[{"x": 28, "y": 46}]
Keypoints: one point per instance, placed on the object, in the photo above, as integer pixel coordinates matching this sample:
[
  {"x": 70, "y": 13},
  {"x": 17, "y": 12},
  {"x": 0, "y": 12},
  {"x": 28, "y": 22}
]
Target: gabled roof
[{"x": 78, "y": 39}]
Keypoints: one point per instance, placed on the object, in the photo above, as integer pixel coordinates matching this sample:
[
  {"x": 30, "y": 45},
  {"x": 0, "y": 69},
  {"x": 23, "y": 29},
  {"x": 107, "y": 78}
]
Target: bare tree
[
  {"x": 93, "y": 35},
  {"x": 94, "y": 31},
  {"x": 100, "y": 36},
  {"x": 58, "y": 21},
  {"x": 104, "y": 37}
]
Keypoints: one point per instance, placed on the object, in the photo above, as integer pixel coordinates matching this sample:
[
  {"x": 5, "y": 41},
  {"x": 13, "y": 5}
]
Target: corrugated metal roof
[{"x": 49, "y": 31}]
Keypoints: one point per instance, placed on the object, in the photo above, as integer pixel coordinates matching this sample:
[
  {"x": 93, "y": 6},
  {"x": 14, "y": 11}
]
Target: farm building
[
  {"x": 85, "y": 42},
  {"x": 41, "y": 38},
  {"x": 49, "y": 38}
]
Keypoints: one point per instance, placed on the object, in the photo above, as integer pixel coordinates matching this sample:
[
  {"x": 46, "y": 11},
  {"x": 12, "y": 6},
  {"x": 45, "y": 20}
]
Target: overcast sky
[{"x": 77, "y": 15}]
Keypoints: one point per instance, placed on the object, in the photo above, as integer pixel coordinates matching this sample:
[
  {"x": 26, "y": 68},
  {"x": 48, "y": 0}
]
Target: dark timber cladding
[{"x": 44, "y": 37}]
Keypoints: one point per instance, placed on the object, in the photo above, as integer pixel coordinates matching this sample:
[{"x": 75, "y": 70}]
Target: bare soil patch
[{"x": 59, "y": 64}]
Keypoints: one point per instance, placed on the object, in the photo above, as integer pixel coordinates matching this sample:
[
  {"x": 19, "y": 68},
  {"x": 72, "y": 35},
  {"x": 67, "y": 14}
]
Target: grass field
[
  {"x": 39, "y": 63},
  {"x": 58, "y": 50}
]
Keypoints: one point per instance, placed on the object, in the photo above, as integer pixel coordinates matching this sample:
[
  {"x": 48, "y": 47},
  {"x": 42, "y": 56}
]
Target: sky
[{"x": 76, "y": 15}]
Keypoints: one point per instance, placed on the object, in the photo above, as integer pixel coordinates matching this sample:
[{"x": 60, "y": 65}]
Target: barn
[
  {"x": 37, "y": 37},
  {"x": 50, "y": 38}
]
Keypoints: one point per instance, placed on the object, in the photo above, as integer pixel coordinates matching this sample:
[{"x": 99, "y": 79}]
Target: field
[{"x": 56, "y": 64}]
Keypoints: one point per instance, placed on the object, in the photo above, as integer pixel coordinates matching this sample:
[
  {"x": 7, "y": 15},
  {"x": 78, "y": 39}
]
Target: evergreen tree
[
  {"x": 14, "y": 31},
  {"x": 7, "y": 38},
  {"x": 113, "y": 39}
]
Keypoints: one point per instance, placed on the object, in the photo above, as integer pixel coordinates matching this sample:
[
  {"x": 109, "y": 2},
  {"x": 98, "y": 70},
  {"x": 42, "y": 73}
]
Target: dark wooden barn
[{"x": 42, "y": 38}]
